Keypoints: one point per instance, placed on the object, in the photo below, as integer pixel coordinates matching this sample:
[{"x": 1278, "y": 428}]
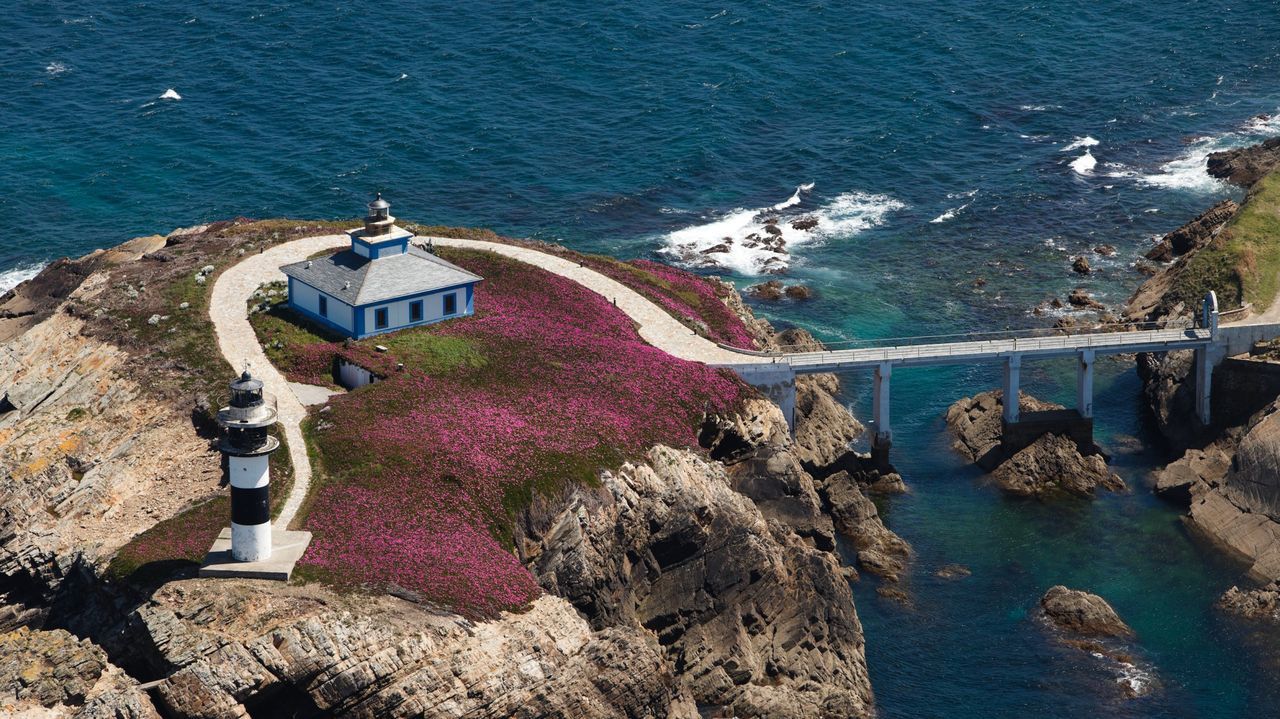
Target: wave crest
[{"x": 754, "y": 241}]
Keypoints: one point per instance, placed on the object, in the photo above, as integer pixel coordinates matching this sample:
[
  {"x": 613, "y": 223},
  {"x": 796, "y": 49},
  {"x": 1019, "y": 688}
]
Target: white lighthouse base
[
  {"x": 251, "y": 543},
  {"x": 286, "y": 549}
]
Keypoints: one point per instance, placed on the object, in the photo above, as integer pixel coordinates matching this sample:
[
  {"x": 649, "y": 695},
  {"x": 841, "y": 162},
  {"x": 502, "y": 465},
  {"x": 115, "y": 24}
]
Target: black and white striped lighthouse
[{"x": 246, "y": 448}]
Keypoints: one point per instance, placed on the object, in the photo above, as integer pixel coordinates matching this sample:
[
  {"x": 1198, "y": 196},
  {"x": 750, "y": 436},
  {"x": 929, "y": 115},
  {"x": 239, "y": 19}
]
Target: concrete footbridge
[{"x": 775, "y": 373}]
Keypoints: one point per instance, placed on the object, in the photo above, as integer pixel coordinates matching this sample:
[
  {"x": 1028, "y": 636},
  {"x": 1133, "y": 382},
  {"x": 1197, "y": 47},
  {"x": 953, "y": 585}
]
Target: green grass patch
[{"x": 1242, "y": 264}]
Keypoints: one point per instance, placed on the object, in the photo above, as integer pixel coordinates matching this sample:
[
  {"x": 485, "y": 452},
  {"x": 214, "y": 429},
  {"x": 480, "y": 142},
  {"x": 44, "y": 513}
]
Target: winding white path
[{"x": 239, "y": 344}]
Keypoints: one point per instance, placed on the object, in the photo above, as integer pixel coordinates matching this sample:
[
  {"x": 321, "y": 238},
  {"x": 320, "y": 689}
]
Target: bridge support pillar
[
  {"x": 1012, "y": 375},
  {"x": 1084, "y": 384},
  {"x": 882, "y": 440},
  {"x": 1204, "y": 386}
]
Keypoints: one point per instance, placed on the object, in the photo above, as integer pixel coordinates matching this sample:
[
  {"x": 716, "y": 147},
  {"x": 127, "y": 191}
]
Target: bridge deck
[{"x": 984, "y": 350}]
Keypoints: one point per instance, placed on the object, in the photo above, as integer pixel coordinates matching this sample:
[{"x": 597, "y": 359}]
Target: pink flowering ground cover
[
  {"x": 696, "y": 301},
  {"x": 419, "y": 476}
]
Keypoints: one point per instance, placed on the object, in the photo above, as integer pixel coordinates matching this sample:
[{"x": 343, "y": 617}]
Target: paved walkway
[{"x": 239, "y": 344}]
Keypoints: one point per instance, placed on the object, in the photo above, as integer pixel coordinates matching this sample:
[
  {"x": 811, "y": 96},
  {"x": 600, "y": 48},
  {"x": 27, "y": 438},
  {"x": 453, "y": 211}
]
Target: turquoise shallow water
[{"x": 935, "y": 144}]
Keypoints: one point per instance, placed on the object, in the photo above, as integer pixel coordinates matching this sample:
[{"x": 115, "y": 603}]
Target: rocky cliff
[
  {"x": 1226, "y": 475},
  {"x": 679, "y": 582}
]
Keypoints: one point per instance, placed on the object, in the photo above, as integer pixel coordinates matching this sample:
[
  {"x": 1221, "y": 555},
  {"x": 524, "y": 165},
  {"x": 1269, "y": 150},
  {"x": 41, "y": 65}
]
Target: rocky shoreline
[
  {"x": 686, "y": 581},
  {"x": 1227, "y": 474}
]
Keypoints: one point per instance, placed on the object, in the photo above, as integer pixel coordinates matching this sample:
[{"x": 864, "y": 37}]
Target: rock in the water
[
  {"x": 1246, "y": 165},
  {"x": 771, "y": 290},
  {"x": 975, "y": 422},
  {"x": 880, "y": 551},
  {"x": 1105, "y": 250},
  {"x": 1262, "y": 603},
  {"x": 1080, "y": 265},
  {"x": 953, "y": 571},
  {"x": 1051, "y": 465},
  {"x": 1082, "y": 613},
  {"x": 798, "y": 292},
  {"x": 1197, "y": 467},
  {"x": 1079, "y": 297},
  {"x": 804, "y": 223}
]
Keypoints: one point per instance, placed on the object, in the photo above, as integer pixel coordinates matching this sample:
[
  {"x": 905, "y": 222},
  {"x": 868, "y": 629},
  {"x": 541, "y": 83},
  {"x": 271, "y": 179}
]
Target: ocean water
[{"x": 931, "y": 144}]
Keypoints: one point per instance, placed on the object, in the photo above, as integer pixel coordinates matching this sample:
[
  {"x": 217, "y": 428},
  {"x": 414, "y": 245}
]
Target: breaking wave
[
  {"x": 1188, "y": 171},
  {"x": 1084, "y": 164},
  {"x": 15, "y": 276},
  {"x": 754, "y": 241},
  {"x": 1080, "y": 142}
]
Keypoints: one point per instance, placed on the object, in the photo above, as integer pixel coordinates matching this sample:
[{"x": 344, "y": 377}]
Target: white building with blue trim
[{"x": 383, "y": 283}]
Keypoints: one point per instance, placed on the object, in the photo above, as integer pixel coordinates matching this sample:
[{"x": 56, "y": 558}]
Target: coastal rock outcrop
[
  {"x": 1051, "y": 464},
  {"x": 54, "y": 674},
  {"x": 1261, "y": 603},
  {"x": 757, "y": 618},
  {"x": 1193, "y": 235},
  {"x": 1245, "y": 165},
  {"x": 1082, "y": 613}
]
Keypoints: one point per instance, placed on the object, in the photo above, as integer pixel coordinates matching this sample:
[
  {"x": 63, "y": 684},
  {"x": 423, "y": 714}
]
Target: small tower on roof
[{"x": 379, "y": 220}]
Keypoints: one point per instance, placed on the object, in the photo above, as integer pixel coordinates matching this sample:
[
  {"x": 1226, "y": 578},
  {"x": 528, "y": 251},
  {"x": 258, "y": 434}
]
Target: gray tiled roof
[{"x": 387, "y": 278}]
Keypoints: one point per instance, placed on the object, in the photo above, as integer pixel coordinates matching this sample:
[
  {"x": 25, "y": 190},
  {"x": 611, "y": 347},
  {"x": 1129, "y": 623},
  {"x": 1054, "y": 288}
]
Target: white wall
[
  {"x": 308, "y": 298},
  {"x": 248, "y": 472},
  {"x": 432, "y": 309}
]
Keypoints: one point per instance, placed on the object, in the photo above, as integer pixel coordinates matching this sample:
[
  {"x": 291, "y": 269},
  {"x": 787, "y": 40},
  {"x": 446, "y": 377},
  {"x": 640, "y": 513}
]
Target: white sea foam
[
  {"x": 844, "y": 215},
  {"x": 1084, "y": 164},
  {"x": 55, "y": 68},
  {"x": 14, "y": 276},
  {"x": 1080, "y": 142},
  {"x": 403, "y": 76},
  {"x": 952, "y": 212},
  {"x": 171, "y": 94},
  {"x": 1188, "y": 171}
]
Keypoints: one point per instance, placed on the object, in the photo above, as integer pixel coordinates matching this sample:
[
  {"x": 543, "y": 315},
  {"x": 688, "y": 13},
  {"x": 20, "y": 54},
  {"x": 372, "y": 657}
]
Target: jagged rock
[
  {"x": 1079, "y": 297},
  {"x": 52, "y": 673},
  {"x": 880, "y": 551},
  {"x": 716, "y": 249},
  {"x": 1082, "y": 613},
  {"x": 234, "y": 644},
  {"x": 1177, "y": 480},
  {"x": 1080, "y": 265},
  {"x": 1262, "y": 603},
  {"x": 771, "y": 290},
  {"x": 784, "y": 492},
  {"x": 1053, "y": 464},
  {"x": 1242, "y": 510},
  {"x": 1157, "y": 299},
  {"x": 975, "y": 422},
  {"x": 804, "y": 223},
  {"x": 1105, "y": 250},
  {"x": 757, "y": 620},
  {"x": 1168, "y": 393},
  {"x": 798, "y": 292},
  {"x": 1246, "y": 165}
]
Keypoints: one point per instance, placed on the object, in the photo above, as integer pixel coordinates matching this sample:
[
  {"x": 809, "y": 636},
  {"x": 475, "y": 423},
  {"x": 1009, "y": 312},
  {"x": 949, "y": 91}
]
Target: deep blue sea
[{"x": 933, "y": 143}]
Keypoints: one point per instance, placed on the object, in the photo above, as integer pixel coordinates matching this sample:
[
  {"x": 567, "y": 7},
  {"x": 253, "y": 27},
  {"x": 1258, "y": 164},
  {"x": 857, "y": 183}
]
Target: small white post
[
  {"x": 1012, "y": 370},
  {"x": 880, "y": 401},
  {"x": 1084, "y": 384}
]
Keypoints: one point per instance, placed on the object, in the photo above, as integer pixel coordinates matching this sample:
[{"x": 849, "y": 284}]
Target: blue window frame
[
  {"x": 451, "y": 304},
  {"x": 380, "y": 319},
  {"x": 415, "y": 311},
  {"x": 324, "y": 306}
]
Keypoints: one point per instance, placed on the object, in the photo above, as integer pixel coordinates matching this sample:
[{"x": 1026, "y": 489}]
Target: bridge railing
[{"x": 989, "y": 336}]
